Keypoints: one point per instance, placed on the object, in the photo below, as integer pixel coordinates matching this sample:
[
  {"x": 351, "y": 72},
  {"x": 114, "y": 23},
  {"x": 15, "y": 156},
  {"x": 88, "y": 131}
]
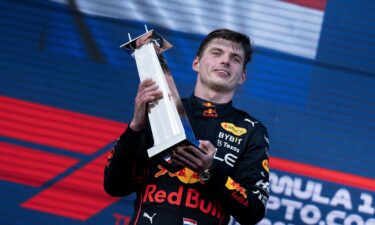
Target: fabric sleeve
[
  {"x": 126, "y": 165},
  {"x": 246, "y": 190}
]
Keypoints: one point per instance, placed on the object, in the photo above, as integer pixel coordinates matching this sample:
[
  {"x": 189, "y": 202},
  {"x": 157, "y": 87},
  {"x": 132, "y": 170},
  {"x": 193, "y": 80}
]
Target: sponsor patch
[
  {"x": 168, "y": 159},
  {"x": 238, "y": 131},
  {"x": 261, "y": 197},
  {"x": 183, "y": 196},
  {"x": 232, "y": 185},
  {"x": 185, "y": 175},
  {"x": 265, "y": 165},
  {"x": 210, "y": 113},
  {"x": 208, "y": 104},
  {"x": 264, "y": 185}
]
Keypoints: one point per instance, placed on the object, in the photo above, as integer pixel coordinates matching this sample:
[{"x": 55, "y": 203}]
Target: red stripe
[
  {"x": 30, "y": 167},
  {"x": 77, "y": 196},
  {"x": 315, "y": 4},
  {"x": 139, "y": 209},
  {"x": 323, "y": 174},
  {"x": 55, "y": 127}
]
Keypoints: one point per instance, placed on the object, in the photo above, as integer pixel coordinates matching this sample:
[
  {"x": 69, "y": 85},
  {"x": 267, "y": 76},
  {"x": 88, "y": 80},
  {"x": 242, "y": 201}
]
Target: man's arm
[
  {"x": 127, "y": 164},
  {"x": 124, "y": 170},
  {"x": 247, "y": 191}
]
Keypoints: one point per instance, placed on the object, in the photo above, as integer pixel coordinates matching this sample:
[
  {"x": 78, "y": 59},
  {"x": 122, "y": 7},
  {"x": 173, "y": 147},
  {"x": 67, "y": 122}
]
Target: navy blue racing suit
[{"x": 238, "y": 187}]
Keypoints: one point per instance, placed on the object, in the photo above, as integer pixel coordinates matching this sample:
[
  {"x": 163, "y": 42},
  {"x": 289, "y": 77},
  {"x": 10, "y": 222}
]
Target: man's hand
[
  {"x": 193, "y": 158},
  {"x": 148, "y": 91}
]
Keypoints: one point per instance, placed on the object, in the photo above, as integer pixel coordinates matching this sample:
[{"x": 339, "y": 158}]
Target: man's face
[{"x": 221, "y": 66}]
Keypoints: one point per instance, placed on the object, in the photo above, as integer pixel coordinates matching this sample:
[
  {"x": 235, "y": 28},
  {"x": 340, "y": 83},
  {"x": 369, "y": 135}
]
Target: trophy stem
[{"x": 166, "y": 125}]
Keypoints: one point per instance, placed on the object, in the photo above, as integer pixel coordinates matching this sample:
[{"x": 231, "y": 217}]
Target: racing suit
[{"x": 239, "y": 184}]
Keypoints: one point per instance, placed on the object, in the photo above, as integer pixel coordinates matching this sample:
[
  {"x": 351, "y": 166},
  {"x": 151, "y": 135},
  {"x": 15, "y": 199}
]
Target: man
[{"x": 227, "y": 175}]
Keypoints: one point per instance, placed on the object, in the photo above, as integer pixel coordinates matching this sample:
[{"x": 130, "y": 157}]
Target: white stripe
[
  {"x": 189, "y": 223},
  {"x": 272, "y": 24}
]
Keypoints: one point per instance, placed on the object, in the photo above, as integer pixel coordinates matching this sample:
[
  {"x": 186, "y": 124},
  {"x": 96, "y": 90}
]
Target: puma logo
[
  {"x": 252, "y": 123},
  {"x": 149, "y": 217}
]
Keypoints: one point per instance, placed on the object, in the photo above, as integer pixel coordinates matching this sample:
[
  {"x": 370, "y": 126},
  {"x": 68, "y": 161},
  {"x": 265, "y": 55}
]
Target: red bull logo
[
  {"x": 183, "y": 196},
  {"x": 232, "y": 185},
  {"x": 208, "y": 104},
  {"x": 185, "y": 175},
  {"x": 210, "y": 113},
  {"x": 187, "y": 197}
]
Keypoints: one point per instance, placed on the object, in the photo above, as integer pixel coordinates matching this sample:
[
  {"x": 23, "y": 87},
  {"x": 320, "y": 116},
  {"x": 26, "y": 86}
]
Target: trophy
[{"x": 169, "y": 123}]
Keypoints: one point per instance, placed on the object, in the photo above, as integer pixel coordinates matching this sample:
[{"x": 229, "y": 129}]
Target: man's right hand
[{"x": 148, "y": 91}]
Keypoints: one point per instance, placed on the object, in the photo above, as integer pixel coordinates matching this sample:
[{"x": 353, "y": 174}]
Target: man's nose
[{"x": 225, "y": 59}]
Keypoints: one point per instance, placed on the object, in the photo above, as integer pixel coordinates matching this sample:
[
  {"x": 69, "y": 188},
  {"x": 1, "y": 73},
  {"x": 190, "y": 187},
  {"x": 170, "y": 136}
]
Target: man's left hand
[{"x": 194, "y": 158}]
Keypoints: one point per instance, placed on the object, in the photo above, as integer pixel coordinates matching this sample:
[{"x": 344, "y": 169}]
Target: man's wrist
[
  {"x": 206, "y": 174},
  {"x": 136, "y": 127}
]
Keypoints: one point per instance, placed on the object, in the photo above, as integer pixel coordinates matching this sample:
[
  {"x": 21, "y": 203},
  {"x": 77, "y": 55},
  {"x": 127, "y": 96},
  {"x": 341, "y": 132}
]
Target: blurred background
[{"x": 67, "y": 90}]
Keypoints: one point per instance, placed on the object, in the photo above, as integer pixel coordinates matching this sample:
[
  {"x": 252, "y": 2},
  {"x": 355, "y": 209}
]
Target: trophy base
[
  {"x": 162, "y": 154},
  {"x": 165, "y": 145}
]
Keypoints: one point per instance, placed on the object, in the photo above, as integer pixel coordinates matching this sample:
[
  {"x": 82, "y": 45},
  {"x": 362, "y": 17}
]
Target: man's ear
[
  {"x": 242, "y": 78},
  {"x": 195, "y": 64}
]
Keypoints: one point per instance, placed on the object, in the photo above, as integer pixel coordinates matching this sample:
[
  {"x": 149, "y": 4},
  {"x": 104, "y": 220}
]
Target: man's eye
[
  {"x": 237, "y": 60},
  {"x": 216, "y": 53}
]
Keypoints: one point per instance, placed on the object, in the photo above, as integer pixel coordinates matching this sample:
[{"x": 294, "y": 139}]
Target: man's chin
[{"x": 220, "y": 87}]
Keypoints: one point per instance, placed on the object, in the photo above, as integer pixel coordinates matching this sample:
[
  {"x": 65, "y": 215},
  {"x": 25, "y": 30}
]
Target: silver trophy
[{"x": 169, "y": 123}]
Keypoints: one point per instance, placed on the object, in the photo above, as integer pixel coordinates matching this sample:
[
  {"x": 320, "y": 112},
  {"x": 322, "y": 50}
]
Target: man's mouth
[{"x": 222, "y": 73}]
